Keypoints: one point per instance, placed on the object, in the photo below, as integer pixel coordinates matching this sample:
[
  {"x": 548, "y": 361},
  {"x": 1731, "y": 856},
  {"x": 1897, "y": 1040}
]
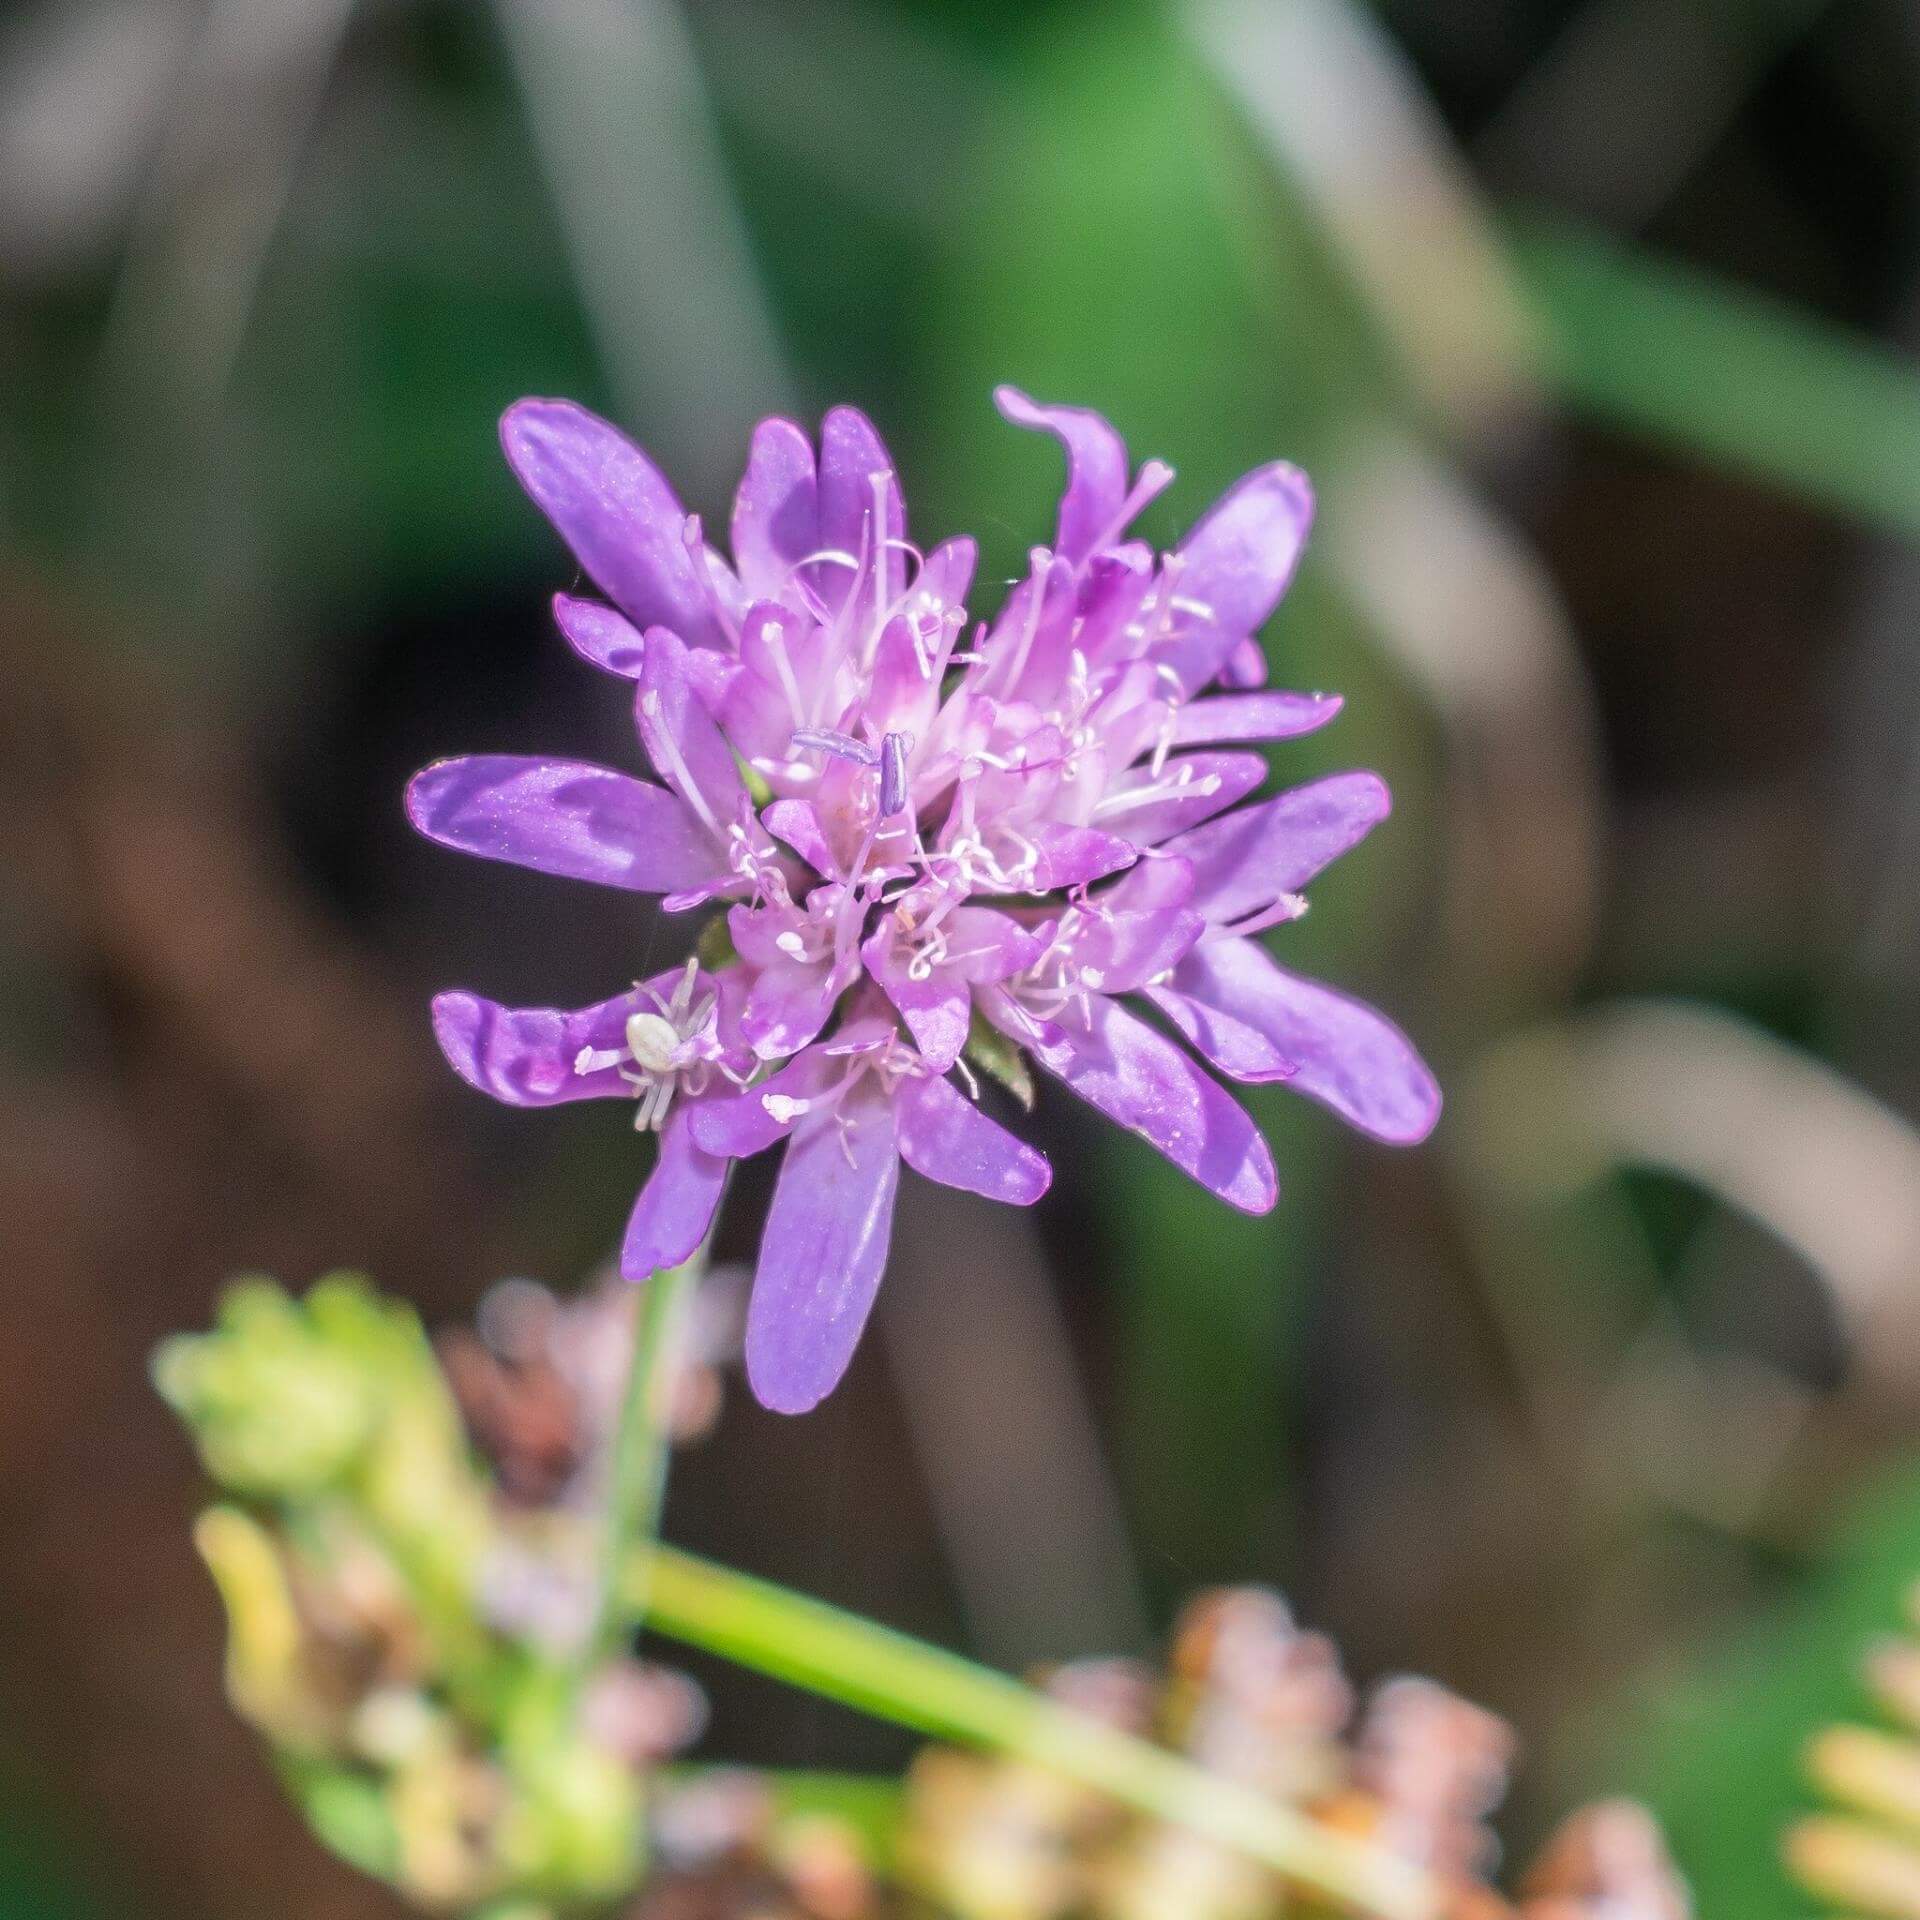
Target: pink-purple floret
[{"x": 918, "y": 834}]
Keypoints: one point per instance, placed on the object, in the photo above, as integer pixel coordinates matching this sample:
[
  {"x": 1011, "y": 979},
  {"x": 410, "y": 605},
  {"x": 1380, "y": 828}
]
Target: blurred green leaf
[
  {"x": 1726, "y": 375},
  {"x": 869, "y": 1803},
  {"x": 1717, "y": 1754}
]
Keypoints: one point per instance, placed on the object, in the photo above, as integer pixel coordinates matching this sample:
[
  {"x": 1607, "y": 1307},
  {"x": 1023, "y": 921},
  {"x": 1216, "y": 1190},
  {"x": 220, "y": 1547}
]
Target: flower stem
[
  {"x": 862, "y": 1664},
  {"x": 642, "y": 1449}
]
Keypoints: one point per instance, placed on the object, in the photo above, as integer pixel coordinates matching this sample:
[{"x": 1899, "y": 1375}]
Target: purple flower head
[{"x": 928, "y": 843}]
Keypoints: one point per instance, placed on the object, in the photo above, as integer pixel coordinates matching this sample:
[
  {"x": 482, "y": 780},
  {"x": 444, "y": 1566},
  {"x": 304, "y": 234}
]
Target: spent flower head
[{"x": 932, "y": 843}]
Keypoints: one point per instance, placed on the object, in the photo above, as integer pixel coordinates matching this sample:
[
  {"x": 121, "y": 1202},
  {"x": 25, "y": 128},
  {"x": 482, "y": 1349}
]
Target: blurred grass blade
[
  {"x": 879, "y": 1671},
  {"x": 1724, "y": 374},
  {"x": 1770, "y": 1131},
  {"x": 1030, "y": 1519},
  {"x": 618, "y": 109},
  {"x": 1328, "y": 92},
  {"x": 254, "y": 81}
]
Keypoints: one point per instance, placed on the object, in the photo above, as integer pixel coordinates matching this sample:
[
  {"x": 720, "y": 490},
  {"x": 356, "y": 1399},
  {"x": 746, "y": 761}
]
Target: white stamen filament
[
  {"x": 1154, "y": 478},
  {"x": 1183, "y": 783},
  {"x": 677, "y": 772},
  {"x": 775, "y": 636}
]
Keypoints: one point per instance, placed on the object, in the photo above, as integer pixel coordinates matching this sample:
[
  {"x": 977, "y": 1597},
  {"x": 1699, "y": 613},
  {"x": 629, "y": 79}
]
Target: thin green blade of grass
[
  {"x": 861, "y": 1664},
  {"x": 1725, "y": 374}
]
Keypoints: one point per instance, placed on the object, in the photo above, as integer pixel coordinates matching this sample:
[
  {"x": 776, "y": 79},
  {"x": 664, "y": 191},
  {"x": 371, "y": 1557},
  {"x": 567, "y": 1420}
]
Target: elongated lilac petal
[
  {"x": 798, "y": 824},
  {"x": 852, "y": 458},
  {"x": 823, "y": 1251},
  {"x": 1159, "y": 882},
  {"x": 904, "y": 693},
  {"x": 1218, "y": 998},
  {"x": 1246, "y": 666},
  {"x": 1140, "y": 1079},
  {"x": 790, "y": 1001},
  {"x": 1253, "y": 716},
  {"x": 614, "y": 508},
  {"x": 525, "y": 1056},
  {"x": 1238, "y": 560},
  {"x": 1346, "y": 1054},
  {"x": 770, "y": 682},
  {"x": 1236, "y": 564},
  {"x": 933, "y": 1001},
  {"x": 1096, "y": 469},
  {"x": 677, "y": 1204},
  {"x": 983, "y": 945},
  {"x": 1244, "y": 861},
  {"x": 945, "y": 1137},
  {"x": 1146, "y": 808},
  {"x": 1030, "y": 649},
  {"x": 686, "y": 747},
  {"x": 563, "y": 817},
  {"x": 776, "y": 512},
  {"x": 944, "y": 580},
  {"x": 1120, "y": 951},
  {"x": 600, "y": 634},
  {"x": 736, "y": 1126},
  {"x": 1074, "y": 856}
]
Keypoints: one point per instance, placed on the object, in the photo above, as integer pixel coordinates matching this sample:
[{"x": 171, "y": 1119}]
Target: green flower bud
[{"x": 275, "y": 1408}]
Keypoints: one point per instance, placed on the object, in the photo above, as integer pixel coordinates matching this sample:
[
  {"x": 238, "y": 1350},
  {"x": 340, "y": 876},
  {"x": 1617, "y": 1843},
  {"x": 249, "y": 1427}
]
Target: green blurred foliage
[{"x": 1715, "y": 1744}]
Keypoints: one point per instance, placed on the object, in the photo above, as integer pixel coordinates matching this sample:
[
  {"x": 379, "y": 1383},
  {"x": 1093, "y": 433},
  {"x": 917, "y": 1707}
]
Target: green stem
[
  {"x": 861, "y": 1664},
  {"x": 642, "y": 1448}
]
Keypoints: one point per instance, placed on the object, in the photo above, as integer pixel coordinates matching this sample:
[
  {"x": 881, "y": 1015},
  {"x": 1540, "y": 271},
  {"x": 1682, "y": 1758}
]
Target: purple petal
[
  {"x": 756, "y": 711},
  {"x": 1113, "y": 589},
  {"x": 852, "y": 458},
  {"x": 1246, "y": 860},
  {"x": 524, "y": 1055},
  {"x": 1032, "y": 643},
  {"x": 776, "y": 512},
  {"x": 1155, "y": 883},
  {"x": 1246, "y": 666},
  {"x": 935, "y": 1005},
  {"x": 564, "y": 817},
  {"x": 944, "y": 580},
  {"x": 945, "y": 1137},
  {"x": 677, "y": 1204},
  {"x": 1147, "y": 808},
  {"x": 984, "y": 946},
  {"x": 711, "y": 674},
  {"x": 736, "y": 1126},
  {"x": 680, "y": 736},
  {"x": 798, "y": 824},
  {"x": 1240, "y": 557},
  {"x": 1253, "y": 716},
  {"x": 1218, "y": 998},
  {"x": 1344, "y": 1054},
  {"x": 1074, "y": 856},
  {"x": 1237, "y": 563},
  {"x": 1142, "y": 1080},
  {"x": 1096, "y": 469},
  {"x": 790, "y": 1002},
  {"x": 903, "y": 695},
  {"x": 614, "y": 508},
  {"x": 1120, "y": 951},
  {"x": 823, "y": 1251},
  {"x": 599, "y": 634}
]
